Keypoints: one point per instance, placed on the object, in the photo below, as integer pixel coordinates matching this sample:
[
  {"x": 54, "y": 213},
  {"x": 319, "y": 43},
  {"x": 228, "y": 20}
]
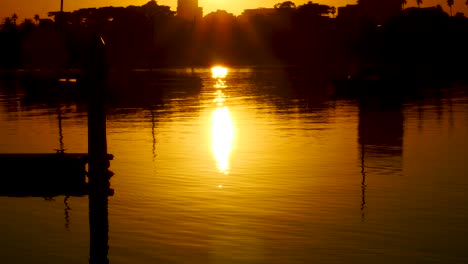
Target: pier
[{"x": 45, "y": 174}]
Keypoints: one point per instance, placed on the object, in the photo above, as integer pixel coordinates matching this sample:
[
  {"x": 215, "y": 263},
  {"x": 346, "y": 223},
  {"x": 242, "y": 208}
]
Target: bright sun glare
[{"x": 219, "y": 72}]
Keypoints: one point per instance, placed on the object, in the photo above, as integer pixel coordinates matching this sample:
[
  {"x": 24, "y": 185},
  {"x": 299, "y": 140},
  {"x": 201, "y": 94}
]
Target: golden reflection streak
[
  {"x": 222, "y": 127},
  {"x": 220, "y": 84}
]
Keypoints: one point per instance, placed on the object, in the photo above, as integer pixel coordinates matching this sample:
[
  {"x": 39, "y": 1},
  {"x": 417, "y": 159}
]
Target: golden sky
[{"x": 27, "y": 8}]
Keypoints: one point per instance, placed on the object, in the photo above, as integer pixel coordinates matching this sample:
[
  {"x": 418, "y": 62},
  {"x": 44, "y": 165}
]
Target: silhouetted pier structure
[
  {"x": 52, "y": 174},
  {"x": 44, "y": 174}
]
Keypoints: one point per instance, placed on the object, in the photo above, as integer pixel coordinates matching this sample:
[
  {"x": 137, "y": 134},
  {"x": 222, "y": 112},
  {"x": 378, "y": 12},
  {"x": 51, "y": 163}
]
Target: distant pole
[
  {"x": 363, "y": 183},
  {"x": 61, "y": 14}
]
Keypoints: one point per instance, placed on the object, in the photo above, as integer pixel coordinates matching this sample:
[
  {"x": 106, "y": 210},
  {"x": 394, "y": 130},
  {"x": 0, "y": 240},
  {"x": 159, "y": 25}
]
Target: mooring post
[{"x": 94, "y": 76}]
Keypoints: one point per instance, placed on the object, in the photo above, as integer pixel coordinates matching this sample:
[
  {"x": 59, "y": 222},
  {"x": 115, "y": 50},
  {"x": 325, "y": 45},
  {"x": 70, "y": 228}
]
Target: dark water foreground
[{"x": 257, "y": 166}]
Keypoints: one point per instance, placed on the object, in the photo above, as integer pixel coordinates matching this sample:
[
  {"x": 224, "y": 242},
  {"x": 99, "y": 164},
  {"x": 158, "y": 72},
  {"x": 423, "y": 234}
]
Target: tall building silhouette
[{"x": 189, "y": 10}]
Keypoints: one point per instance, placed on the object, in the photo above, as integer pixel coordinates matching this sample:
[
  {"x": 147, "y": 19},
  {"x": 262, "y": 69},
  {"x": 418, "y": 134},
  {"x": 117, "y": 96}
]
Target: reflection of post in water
[
  {"x": 363, "y": 184},
  {"x": 94, "y": 74},
  {"x": 98, "y": 222},
  {"x": 153, "y": 134},
  {"x": 61, "y": 148},
  {"x": 67, "y": 212}
]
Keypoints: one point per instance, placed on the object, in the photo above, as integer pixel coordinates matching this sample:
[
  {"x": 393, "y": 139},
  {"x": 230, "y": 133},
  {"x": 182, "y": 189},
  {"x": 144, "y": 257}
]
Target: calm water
[{"x": 253, "y": 169}]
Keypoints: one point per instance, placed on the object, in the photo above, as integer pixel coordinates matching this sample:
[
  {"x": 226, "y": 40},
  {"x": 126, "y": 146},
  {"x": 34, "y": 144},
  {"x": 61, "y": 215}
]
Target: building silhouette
[
  {"x": 380, "y": 10},
  {"x": 377, "y": 11},
  {"x": 189, "y": 10},
  {"x": 349, "y": 12},
  {"x": 258, "y": 11}
]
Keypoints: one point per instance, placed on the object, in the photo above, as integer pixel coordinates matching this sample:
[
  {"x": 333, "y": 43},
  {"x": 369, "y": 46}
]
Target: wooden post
[{"x": 94, "y": 76}]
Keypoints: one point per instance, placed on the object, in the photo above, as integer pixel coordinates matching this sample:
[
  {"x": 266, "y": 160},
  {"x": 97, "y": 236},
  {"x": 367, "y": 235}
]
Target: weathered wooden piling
[{"x": 94, "y": 80}]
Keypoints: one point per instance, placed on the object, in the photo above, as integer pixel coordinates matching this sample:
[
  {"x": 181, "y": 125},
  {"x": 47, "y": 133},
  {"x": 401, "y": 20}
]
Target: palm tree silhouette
[
  {"x": 37, "y": 18},
  {"x": 7, "y": 25},
  {"x": 419, "y": 2},
  {"x": 450, "y": 4},
  {"x": 27, "y": 25},
  {"x": 14, "y": 17}
]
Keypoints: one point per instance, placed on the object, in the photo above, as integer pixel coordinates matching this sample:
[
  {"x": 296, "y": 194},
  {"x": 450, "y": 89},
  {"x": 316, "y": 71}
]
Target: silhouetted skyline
[
  {"x": 312, "y": 35},
  {"x": 28, "y": 8}
]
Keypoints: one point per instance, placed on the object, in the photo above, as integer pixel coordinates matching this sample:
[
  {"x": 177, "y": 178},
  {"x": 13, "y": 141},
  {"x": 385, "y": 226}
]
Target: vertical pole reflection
[
  {"x": 363, "y": 184},
  {"x": 67, "y": 213},
  {"x": 153, "y": 133},
  {"x": 61, "y": 148},
  {"x": 98, "y": 226}
]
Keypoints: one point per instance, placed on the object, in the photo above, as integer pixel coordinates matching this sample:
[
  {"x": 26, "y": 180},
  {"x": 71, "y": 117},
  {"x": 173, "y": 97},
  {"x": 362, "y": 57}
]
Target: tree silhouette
[
  {"x": 403, "y": 4},
  {"x": 419, "y": 2},
  {"x": 333, "y": 11},
  {"x": 152, "y": 9},
  {"x": 14, "y": 17},
  {"x": 27, "y": 25},
  {"x": 313, "y": 9},
  {"x": 7, "y": 25},
  {"x": 37, "y": 18},
  {"x": 450, "y": 4},
  {"x": 285, "y": 5}
]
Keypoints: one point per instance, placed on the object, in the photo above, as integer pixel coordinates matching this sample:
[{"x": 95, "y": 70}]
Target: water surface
[{"x": 258, "y": 166}]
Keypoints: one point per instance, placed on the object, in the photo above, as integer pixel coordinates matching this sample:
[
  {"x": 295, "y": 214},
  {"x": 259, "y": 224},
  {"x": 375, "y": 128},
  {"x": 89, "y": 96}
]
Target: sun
[{"x": 219, "y": 72}]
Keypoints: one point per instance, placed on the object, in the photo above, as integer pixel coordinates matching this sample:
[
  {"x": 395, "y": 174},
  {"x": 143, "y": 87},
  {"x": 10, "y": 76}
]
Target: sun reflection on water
[
  {"x": 222, "y": 126},
  {"x": 222, "y": 130},
  {"x": 219, "y": 73}
]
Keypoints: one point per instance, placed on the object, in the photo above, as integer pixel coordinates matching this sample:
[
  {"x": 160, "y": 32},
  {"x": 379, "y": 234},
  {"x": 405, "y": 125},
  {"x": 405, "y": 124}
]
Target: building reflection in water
[
  {"x": 222, "y": 126},
  {"x": 380, "y": 138}
]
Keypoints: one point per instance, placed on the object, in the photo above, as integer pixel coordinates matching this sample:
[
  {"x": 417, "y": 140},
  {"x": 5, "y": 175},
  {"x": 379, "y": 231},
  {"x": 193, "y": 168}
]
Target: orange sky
[{"x": 27, "y": 8}]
